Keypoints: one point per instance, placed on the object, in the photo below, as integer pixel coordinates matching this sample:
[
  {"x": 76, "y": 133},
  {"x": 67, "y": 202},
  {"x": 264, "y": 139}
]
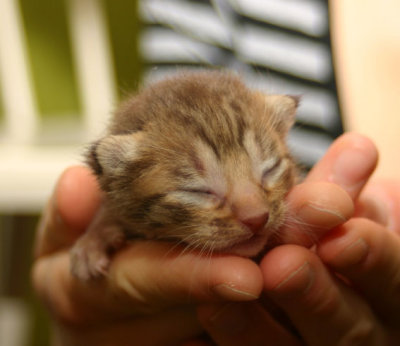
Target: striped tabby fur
[{"x": 198, "y": 158}]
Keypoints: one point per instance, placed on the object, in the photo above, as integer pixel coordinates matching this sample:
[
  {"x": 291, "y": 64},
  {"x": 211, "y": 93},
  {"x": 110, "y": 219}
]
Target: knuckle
[
  {"x": 67, "y": 315},
  {"x": 329, "y": 303},
  {"x": 126, "y": 288},
  {"x": 363, "y": 332}
]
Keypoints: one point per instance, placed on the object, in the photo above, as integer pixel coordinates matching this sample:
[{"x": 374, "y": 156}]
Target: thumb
[{"x": 69, "y": 211}]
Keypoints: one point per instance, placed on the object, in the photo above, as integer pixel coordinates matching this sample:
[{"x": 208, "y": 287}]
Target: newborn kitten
[{"x": 198, "y": 159}]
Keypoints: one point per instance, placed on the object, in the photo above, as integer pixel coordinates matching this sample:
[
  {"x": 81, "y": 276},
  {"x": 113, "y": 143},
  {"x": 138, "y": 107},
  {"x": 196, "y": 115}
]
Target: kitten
[{"x": 197, "y": 158}]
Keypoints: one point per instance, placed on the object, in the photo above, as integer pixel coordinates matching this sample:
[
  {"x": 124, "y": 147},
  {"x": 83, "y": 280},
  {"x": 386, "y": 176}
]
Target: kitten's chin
[{"x": 249, "y": 247}]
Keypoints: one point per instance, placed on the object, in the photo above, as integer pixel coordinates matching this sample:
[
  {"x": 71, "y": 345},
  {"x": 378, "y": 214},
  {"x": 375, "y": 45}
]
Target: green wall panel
[
  {"x": 124, "y": 27},
  {"x": 50, "y": 56}
]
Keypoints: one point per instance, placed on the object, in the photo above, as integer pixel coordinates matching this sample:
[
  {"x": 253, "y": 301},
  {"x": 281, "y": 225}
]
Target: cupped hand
[
  {"x": 345, "y": 290},
  {"x": 150, "y": 294}
]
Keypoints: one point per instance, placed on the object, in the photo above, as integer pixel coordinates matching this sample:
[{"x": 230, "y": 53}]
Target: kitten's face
[{"x": 216, "y": 183}]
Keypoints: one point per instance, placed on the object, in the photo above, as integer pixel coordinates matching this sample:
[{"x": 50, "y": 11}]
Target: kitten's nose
[{"x": 256, "y": 222}]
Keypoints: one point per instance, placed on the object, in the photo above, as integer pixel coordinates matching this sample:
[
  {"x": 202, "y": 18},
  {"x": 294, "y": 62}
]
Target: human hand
[
  {"x": 151, "y": 286},
  {"x": 148, "y": 296},
  {"x": 358, "y": 306}
]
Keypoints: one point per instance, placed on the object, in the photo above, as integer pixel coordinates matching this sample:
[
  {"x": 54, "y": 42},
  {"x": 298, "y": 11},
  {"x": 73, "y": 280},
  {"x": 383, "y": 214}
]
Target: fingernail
[
  {"x": 315, "y": 215},
  {"x": 352, "y": 254},
  {"x": 313, "y": 212},
  {"x": 329, "y": 212},
  {"x": 230, "y": 292},
  {"x": 352, "y": 169},
  {"x": 298, "y": 281}
]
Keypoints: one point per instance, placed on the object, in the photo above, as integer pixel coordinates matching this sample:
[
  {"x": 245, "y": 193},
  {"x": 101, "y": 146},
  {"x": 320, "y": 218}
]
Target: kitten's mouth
[{"x": 250, "y": 247}]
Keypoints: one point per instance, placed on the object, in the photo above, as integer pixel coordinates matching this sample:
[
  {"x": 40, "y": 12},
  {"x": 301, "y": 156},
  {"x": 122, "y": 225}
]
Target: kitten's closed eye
[
  {"x": 203, "y": 191},
  {"x": 271, "y": 167},
  {"x": 203, "y": 197}
]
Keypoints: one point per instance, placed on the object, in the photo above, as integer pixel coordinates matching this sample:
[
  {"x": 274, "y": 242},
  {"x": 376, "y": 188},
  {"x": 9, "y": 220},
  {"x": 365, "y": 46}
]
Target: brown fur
[{"x": 198, "y": 158}]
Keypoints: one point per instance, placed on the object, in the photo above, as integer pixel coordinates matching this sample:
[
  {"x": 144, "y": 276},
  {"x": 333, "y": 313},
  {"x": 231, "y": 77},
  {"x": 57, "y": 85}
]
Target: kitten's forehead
[
  {"x": 213, "y": 170},
  {"x": 246, "y": 162},
  {"x": 252, "y": 146}
]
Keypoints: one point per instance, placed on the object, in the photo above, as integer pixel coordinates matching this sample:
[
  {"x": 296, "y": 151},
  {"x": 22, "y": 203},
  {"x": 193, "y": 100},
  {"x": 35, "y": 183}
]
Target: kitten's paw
[{"x": 87, "y": 263}]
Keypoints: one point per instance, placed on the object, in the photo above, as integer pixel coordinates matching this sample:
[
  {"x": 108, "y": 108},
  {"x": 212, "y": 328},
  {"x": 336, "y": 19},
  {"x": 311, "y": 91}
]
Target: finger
[
  {"x": 171, "y": 327},
  {"x": 75, "y": 199},
  {"x": 167, "y": 277},
  {"x": 198, "y": 342},
  {"x": 241, "y": 324},
  {"x": 379, "y": 202},
  {"x": 171, "y": 275},
  {"x": 368, "y": 256},
  {"x": 373, "y": 208},
  {"x": 312, "y": 213},
  {"x": 349, "y": 163},
  {"x": 324, "y": 311}
]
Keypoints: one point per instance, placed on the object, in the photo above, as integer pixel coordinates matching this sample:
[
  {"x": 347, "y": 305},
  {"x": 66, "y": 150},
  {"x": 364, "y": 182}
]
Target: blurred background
[{"x": 63, "y": 67}]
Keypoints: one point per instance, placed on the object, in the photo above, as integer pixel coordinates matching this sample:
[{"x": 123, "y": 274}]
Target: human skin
[
  {"x": 151, "y": 287},
  {"x": 357, "y": 306}
]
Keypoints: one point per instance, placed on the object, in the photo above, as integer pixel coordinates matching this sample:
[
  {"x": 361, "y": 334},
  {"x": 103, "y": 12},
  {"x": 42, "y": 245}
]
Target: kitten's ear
[
  {"x": 109, "y": 154},
  {"x": 283, "y": 111}
]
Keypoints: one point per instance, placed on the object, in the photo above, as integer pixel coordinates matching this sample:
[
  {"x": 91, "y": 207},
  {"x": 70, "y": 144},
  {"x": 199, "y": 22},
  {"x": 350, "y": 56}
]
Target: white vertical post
[
  {"x": 15, "y": 323},
  {"x": 94, "y": 63},
  {"x": 20, "y": 110}
]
